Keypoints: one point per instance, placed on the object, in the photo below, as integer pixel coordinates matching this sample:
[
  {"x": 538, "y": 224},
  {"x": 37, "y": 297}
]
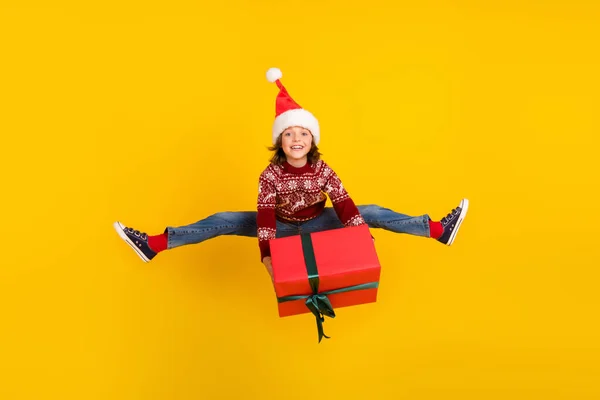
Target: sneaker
[
  {"x": 136, "y": 239},
  {"x": 452, "y": 221}
]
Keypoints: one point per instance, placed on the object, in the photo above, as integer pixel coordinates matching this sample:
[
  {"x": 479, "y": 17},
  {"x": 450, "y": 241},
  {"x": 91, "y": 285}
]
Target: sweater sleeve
[
  {"x": 265, "y": 219},
  {"x": 343, "y": 205}
]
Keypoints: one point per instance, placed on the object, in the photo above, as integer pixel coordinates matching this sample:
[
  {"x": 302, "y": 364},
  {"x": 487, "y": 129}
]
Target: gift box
[{"x": 321, "y": 271}]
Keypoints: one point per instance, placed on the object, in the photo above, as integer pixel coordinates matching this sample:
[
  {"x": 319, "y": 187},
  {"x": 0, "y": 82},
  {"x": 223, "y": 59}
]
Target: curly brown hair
[{"x": 279, "y": 156}]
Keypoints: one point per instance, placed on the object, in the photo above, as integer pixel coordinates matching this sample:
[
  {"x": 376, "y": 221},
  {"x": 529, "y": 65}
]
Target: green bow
[
  {"x": 318, "y": 303},
  {"x": 321, "y": 307}
]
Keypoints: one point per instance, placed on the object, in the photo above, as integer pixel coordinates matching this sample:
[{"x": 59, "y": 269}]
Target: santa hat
[{"x": 288, "y": 113}]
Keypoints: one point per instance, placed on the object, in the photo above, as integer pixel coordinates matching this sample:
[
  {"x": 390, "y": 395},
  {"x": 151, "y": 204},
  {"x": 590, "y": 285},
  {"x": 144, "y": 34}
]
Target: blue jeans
[{"x": 243, "y": 223}]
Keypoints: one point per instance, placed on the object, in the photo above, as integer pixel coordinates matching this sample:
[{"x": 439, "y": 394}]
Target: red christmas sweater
[{"x": 295, "y": 194}]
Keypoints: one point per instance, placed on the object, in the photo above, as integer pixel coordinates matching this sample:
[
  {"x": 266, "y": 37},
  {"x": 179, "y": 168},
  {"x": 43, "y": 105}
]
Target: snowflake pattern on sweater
[{"x": 299, "y": 194}]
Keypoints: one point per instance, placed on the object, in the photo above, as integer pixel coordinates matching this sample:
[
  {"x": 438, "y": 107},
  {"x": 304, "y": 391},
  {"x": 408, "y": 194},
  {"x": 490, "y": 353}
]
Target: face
[{"x": 296, "y": 143}]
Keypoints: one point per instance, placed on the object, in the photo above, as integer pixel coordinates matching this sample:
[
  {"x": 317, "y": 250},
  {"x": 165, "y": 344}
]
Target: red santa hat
[{"x": 289, "y": 113}]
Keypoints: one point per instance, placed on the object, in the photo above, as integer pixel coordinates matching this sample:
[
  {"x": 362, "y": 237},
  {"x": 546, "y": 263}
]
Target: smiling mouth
[{"x": 297, "y": 147}]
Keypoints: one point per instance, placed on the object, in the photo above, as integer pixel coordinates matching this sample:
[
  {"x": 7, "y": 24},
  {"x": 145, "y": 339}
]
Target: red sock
[
  {"x": 435, "y": 229},
  {"x": 158, "y": 243}
]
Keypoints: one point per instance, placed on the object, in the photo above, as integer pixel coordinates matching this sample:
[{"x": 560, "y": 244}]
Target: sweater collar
[{"x": 294, "y": 170}]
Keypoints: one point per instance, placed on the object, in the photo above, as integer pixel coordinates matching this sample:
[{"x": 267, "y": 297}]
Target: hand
[{"x": 267, "y": 262}]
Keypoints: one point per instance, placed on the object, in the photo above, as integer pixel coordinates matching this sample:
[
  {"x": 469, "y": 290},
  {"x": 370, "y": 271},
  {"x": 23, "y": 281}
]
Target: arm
[
  {"x": 265, "y": 218},
  {"x": 344, "y": 207}
]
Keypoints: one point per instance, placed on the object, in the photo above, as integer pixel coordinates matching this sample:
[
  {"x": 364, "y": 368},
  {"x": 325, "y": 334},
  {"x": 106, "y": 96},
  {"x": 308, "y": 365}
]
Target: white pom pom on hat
[
  {"x": 289, "y": 113},
  {"x": 273, "y": 74}
]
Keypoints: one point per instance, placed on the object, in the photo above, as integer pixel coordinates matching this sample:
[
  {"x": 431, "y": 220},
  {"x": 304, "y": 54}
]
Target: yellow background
[{"x": 160, "y": 115}]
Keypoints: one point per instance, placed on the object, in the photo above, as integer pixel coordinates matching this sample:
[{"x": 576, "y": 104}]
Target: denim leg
[
  {"x": 326, "y": 221},
  {"x": 379, "y": 217},
  {"x": 237, "y": 223},
  {"x": 376, "y": 217}
]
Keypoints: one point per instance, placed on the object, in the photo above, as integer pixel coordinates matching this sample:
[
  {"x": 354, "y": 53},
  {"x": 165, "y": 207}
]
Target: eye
[
  {"x": 304, "y": 133},
  {"x": 287, "y": 133}
]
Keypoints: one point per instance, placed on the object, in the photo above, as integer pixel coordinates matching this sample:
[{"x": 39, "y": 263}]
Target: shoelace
[
  {"x": 452, "y": 214},
  {"x": 136, "y": 233}
]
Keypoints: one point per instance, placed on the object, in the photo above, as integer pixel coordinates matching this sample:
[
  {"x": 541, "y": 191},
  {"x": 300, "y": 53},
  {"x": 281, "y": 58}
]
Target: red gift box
[{"x": 339, "y": 265}]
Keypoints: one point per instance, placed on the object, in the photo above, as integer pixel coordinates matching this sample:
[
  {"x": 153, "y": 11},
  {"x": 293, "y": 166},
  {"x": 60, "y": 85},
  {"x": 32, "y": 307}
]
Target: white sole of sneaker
[
  {"x": 464, "y": 205},
  {"x": 120, "y": 228}
]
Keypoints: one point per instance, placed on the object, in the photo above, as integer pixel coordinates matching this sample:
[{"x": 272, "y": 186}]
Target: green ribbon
[{"x": 318, "y": 303}]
